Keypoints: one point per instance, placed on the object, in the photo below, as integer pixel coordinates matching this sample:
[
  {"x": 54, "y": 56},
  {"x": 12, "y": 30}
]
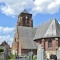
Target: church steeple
[{"x": 25, "y": 19}]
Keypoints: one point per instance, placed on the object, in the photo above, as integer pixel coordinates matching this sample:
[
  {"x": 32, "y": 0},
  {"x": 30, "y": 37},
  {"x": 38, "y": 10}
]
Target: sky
[{"x": 41, "y": 10}]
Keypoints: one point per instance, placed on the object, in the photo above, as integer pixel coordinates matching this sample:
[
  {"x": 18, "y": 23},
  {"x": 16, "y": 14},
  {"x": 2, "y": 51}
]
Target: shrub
[
  {"x": 1, "y": 50},
  {"x": 34, "y": 57},
  {"x": 12, "y": 56}
]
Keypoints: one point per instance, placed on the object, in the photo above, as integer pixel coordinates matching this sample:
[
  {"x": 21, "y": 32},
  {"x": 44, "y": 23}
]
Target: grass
[{"x": 12, "y": 57}]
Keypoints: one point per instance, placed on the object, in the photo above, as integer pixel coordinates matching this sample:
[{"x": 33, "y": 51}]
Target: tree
[{"x": 1, "y": 50}]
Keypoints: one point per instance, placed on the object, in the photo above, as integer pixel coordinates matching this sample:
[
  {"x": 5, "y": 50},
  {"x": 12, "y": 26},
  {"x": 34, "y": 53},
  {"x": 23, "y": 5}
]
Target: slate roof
[
  {"x": 48, "y": 29},
  {"x": 26, "y": 35}
]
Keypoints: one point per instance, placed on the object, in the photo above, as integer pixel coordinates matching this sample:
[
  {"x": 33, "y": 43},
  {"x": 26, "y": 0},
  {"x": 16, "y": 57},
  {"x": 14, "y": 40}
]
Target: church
[{"x": 27, "y": 38}]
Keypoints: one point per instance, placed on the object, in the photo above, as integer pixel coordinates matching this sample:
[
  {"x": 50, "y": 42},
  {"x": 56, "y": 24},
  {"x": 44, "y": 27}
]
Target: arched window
[{"x": 49, "y": 43}]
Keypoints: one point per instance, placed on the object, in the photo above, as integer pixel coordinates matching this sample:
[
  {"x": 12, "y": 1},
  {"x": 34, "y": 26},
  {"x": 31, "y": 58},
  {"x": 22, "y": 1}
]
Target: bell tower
[{"x": 25, "y": 19}]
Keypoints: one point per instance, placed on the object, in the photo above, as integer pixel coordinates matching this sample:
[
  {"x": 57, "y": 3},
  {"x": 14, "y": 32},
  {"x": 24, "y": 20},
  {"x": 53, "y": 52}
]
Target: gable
[{"x": 48, "y": 29}]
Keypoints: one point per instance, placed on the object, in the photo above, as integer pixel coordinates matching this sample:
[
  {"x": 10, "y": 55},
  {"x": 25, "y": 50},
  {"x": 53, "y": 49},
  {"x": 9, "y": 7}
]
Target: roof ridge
[
  {"x": 48, "y": 26},
  {"x": 42, "y": 28},
  {"x": 53, "y": 21},
  {"x": 48, "y": 29},
  {"x": 45, "y": 22},
  {"x": 57, "y": 27}
]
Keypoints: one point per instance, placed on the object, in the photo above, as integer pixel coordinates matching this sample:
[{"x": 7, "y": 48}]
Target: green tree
[{"x": 1, "y": 50}]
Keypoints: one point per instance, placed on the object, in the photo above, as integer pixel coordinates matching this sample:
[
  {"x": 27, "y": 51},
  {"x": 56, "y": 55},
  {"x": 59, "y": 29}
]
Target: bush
[
  {"x": 12, "y": 57},
  {"x": 1, "y": 50},
  {"x": 34, "y": 57}
]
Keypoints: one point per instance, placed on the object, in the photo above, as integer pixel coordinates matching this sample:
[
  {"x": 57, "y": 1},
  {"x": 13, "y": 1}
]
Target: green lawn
[{"x": 12, "y": 57}]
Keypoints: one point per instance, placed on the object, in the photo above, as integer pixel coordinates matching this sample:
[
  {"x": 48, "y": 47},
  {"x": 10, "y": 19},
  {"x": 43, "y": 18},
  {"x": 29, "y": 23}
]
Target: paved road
[
  {"x": 21, "y": 59},
  {"x": 17, "y": 59}
]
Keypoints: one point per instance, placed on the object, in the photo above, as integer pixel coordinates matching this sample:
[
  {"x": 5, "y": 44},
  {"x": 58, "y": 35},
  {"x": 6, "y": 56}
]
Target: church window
[{"x": 49, "y": 43}]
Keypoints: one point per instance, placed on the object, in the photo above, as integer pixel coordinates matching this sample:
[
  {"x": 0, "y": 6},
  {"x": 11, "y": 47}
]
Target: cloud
[
  {"x": 6, "y": 30},
  {"x": 38, "y": 6},
  {"x": 59, "y": 22},
  {"x": 16, "y": 6},
  {"x": 6, "y": 38},
  {"x": 6, "y": 34},
  {"x": 46, "y": 6},
  {"x": 1, "y": 28},
  {"x": 7, "y": 10}
]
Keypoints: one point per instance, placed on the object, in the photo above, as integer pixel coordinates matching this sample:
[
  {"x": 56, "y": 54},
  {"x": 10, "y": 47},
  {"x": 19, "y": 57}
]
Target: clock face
[{"x": 26, "y": 17}]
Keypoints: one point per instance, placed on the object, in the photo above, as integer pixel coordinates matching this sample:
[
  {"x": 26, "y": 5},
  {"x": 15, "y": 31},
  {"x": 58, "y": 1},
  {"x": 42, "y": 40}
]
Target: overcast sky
[{"x": 42, "y": 10}]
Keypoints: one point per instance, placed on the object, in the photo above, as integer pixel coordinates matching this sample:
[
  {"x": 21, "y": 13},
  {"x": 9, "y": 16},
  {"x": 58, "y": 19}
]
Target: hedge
[{"x": 1, "y": 50}]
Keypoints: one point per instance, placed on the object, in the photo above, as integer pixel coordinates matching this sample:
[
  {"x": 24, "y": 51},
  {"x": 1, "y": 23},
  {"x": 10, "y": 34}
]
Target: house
[
  {"x": 6, "y": 52},
  {"x": 26, "y": 37},
  {"x": 4, "y": 43}
]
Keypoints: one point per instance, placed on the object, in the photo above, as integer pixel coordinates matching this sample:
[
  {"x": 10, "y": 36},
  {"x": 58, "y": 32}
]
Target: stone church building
[{"x": 26, "y": 37}]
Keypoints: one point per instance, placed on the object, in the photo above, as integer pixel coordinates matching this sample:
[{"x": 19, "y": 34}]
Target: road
[
  {"x": 18, "y": 59},
  {"x": 21, "y": 59}
]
